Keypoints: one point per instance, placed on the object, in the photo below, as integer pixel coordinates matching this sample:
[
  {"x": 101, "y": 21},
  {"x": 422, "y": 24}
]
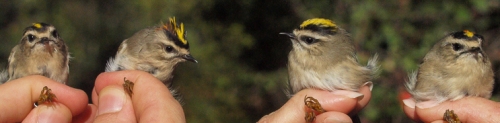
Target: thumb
[
  {"x": 114, "y": 106},
  {"x": 55, "y": 113},
  {"x": 333, "y": 117}
]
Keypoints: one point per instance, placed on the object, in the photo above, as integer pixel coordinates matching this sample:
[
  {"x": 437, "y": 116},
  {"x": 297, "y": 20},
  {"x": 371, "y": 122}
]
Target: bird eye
[
  {"x": 169, "y": 48},
  {"x": 308, "y": 40},
  {"x": 457, "y": 46},
  {"x": 55, "y": 34},
  {"x": 31, "y": 37}
]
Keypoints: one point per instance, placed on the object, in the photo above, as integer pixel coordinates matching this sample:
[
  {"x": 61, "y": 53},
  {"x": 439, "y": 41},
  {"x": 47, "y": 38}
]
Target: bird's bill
[
  {"x": 46, "y": 43},
  {"x": 190, "y": 58},
  {"x": 291, "y": 35}
]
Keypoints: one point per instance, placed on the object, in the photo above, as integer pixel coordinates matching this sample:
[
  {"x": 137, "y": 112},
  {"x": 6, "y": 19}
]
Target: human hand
[
  {"x": 337, "y": 107},
  {"x": 468, "y": 109},
  {"x": 151, "y": 100},
  {"x": 19, "y": 95}
]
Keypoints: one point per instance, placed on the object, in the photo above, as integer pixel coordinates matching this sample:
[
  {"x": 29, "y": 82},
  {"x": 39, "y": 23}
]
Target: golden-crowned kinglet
[
  {"x": 323, "y": 57},
  {"x": 41, "y": 51},
  {"x": 156, "y": 50},
  {"x": 456, "y": 66}
]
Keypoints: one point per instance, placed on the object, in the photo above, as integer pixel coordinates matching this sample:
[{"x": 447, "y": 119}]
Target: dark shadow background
[{"x": 241, "y": 72}]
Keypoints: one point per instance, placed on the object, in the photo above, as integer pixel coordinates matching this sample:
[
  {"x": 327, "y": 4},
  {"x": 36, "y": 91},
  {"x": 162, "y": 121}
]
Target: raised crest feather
[{"x": 177, "y": 30}]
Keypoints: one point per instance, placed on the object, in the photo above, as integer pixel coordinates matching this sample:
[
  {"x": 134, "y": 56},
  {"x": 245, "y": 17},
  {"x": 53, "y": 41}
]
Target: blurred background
[{"x": 241, "y": 74}]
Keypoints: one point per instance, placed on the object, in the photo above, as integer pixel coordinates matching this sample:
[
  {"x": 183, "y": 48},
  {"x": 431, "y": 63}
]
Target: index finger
[{"x": 468, "y": 109}]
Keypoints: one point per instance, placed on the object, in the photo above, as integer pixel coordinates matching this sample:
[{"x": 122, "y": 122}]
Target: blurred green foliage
[{"x": 242, "y": 71}]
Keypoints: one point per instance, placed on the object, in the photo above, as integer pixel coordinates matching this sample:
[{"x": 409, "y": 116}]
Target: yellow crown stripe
[
  {"x": 319, "y": 22},
  {"x": 37, "y": 25},
  {"x": 179, "y": 30},
  {"x": 180, "y": 33},
  {"x": 468, "y": 33}
]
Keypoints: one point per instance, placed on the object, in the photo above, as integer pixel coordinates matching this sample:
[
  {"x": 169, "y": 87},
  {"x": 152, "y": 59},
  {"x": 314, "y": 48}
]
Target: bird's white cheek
[
  {"x": 473, "y": 59},
  {"x": 296, "y": 45}
]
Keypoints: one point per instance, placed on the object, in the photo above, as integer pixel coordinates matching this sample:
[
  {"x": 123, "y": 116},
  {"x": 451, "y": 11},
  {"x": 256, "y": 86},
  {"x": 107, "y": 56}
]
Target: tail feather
[
  {"x": 111, "y": 65},
  {"x": 373, "y": 65},
  {"x": 412, "y": 81},
  {"x": 176, "y": 95},
  {"x": 4, "y": 76},
  {"x": 288, "y": 89}
]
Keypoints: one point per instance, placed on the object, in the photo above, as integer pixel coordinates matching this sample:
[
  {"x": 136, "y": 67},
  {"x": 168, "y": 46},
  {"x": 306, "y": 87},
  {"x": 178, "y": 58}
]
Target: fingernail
[
  {"x": 369, "y": 84},
  {"x": 47, "y": 114},
  {"x": 409, "y": 102},
  {"x": 335, "y": 120},
  {"x": 111, "y": 99},
  {"x": 439, "y": 121},
  {"x": 350, "y": 94},
  {"x": 427, "y": 104}
]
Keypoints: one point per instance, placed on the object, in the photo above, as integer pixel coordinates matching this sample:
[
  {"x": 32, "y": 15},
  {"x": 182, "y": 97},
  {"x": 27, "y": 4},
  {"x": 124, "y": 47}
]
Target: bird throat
[{"x": 48, "y": 48}]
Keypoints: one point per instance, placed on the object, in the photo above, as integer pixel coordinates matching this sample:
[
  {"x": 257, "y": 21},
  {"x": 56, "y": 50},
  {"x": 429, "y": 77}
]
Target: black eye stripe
[
  {"x": 462, "y": 35},
  {"x": 321, "y": 29},
  {"x": 173, "y": 37}
]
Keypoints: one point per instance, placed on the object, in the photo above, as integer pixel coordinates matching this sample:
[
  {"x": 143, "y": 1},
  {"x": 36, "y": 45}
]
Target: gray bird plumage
[
  {"x": 41, "y": 51},
  {"x": 323, "y": 57},
  {"x": 455, "y": 67},
  {"x": 156, "y": 50}
]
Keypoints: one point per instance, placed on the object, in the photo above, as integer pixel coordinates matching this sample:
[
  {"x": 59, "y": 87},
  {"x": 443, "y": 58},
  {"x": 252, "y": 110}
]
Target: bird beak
[
  {"x": 189, "y": 58},
  {"x": 46, "y": 43},
  {"x": 291, "y": 35}
]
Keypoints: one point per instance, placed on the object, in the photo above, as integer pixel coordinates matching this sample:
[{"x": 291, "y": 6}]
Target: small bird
[
  {"x": 323, "y": 57},
  {"x": 156, "y": 50},
  {"x": 455, "y": 67},
  {"x": 41, "y": 51}
]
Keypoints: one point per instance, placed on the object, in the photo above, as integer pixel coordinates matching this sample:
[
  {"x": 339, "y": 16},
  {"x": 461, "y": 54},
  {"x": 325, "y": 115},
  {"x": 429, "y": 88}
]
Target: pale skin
[
  {"x": 19, "y": 95},
  {"x": 337, "y": 107},
  {"x": 468, "y": 109},
  {"x": 151, "y": 99},
  {"x": 72, "y": 105}
]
